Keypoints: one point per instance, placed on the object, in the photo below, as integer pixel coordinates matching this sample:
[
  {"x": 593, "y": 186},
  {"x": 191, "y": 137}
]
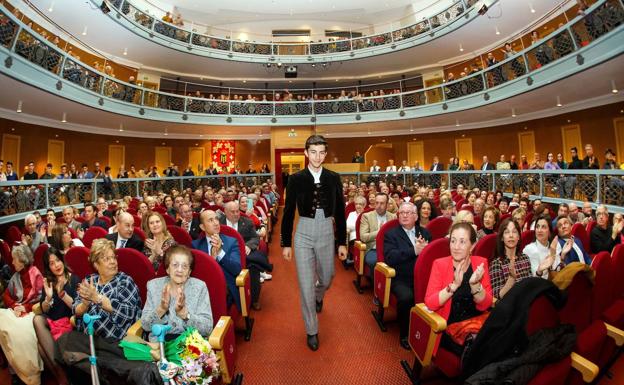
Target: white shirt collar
[{"x": 316, "y": 175}]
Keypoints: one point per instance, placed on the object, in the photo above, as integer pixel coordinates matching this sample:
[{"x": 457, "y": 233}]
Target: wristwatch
[{"x": 188, "y": 317}]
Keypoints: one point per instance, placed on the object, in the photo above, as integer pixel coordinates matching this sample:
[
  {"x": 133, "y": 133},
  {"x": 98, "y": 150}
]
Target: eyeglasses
[
  {"x": 406, "y": 213},
  {"x": 182, "y": 266}
]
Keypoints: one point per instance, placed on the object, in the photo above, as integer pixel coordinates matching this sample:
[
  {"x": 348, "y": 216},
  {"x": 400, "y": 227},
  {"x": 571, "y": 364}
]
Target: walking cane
[
  {"x": 88, "y": 319},
  {"x": 159, "y": 332}
]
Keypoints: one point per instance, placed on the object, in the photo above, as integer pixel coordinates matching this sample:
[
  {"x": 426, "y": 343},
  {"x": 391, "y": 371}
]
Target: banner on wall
[{"x": 223, "y": 155}]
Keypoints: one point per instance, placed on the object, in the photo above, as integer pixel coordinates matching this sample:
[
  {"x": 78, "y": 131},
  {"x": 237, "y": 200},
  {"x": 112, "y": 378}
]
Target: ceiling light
[
  {"x": 513, "y": 112},
  {"x": 121, "y": 127},
  {"x": 613, "y": 87},
  {"x": 497, "y": 31},
  {"x": 457, "y": 123},
  {"x": 244, "y": 81},
  {"x": 84, "y": 31},
  {"x": 64, "y": 120},
  {"x": 531, "y": 8},
  {"x": 51, "y": 7},
  {"x": 125, "y": 52},
  {"x": 19, "y": 107},
  {"x": 279, "y": 64},
  {"x": 461, "y": 49},
  {"x": 559, "y": 102}
]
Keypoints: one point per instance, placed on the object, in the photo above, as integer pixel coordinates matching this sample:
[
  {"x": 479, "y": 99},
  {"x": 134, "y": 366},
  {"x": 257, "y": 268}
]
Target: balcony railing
[
  {"x": 189, "y": 39},
  {"x": 22, "y": 197},
  {"x": 579, "y": 34},
  {"x": 599, "y": 186}
]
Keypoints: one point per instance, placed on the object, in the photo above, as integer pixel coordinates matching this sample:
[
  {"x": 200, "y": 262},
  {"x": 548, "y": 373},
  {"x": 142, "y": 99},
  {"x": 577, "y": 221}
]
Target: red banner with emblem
[{"x": 223, "y": 154}]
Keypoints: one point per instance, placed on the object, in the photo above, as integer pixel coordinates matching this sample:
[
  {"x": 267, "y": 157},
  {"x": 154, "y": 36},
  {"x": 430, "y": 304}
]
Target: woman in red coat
[{"x": 459, "y": 285}]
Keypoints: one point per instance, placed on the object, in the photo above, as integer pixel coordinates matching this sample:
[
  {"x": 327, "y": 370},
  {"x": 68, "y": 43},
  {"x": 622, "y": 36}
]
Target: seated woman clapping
[
  {"x": 114, "y": 297},
  {"x": 542, "y": 253},
  {"x": 157, "y": 238},
  {"x": 60, "y": 290},
  {"x": 178, "y": 299},
  {"x": 510, "y": 266},
  {"x": 459, "y": 285},
  {"x": 17, "y": 335}
]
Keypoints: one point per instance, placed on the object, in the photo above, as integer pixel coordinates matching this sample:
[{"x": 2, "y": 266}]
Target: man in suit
[
  {"x": 436, "y": 166},
  {"x": 370, "y": 224},
  {"x": 316, "y": 193},
  {"x": 483, "y": 180},
  {"x": 68, "y": 215},
  {"x": 125, "y": 236},
  {"x": 187, "y": 222},
  {"x": 223, "y": 249},
  {"x": 257, "y": 261},
  {"x": 402, "y": 245},
  {"x": 91, "y": 219}
]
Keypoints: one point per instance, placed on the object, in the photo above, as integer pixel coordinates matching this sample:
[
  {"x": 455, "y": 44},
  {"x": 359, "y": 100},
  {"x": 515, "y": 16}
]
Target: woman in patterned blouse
[
  {"x": 511, "y": 265},
  {"x": 157, "y": 238}
]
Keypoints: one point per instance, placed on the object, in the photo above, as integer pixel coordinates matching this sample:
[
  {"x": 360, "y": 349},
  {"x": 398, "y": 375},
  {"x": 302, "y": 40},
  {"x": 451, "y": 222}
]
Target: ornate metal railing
[
  {"x": 19, "y": 198},
  {"x": 598, "y": 186},
  {"x": 189, "y": 38}
]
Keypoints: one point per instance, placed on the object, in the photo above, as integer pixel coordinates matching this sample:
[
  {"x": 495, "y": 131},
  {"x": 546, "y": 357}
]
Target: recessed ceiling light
[
  {"x": 125, "y": 51},
  {"x": 64, "y": 120},
  {"x": 51, "y": 8},
  {"x": 531, "y": 8},
  {"x": 19, "y": 107},
  {"x": 497, "y": 31},
  {"x": 461, "y": 48},
  {"x": 84, "y": 31},
  {"x": 559, "y": 102},
  {"x": 613, "y": 87}
]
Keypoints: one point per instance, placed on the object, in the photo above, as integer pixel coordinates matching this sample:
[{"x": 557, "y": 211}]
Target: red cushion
[
  {"x": 209, "y": 271},
  {"x": 486, "y": 247},
  {"x": 422, "y": 269},
  {"x": 379, "y": 239},
  {"x": 614, "y": 315},
  {"x": 448, "y": 363},
  {"x": 180, "y": 236},
  {"x": 553, "y": 374},
  {"x": 77, "y": 259},
  {"x": 93, "y": 233},
  {"x": 578, "y": 230},
  {"x": 589, "y": 342},
  {"x": 439, "y": 227},
  {"x": 138, "y": 266},
  {"x": 603, "y": 287}
]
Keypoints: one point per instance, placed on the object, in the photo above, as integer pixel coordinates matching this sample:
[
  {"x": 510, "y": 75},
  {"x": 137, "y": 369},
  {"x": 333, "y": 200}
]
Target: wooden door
[
  {"x": 11, "y": 151},
  {"x": 571, "y": 136},
  {"x": 463, "y": 149},
  {"x": 526, "y": 142},
  {"x": 196, "y": 159},
  {"x": 416, "y": 153},
  {"x": 116, "y": 157},
  {"x": 618, "y": 124},
  {"x": 56, "y": 154},
  {"x": 162, "y": 158}
]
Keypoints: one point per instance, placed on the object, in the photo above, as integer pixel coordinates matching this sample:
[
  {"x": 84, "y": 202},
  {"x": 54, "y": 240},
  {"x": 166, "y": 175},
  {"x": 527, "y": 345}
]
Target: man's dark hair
[
  {"x": 382, "y": 194},
  {"x": 92, "y": 206},
  {"x": 49, "y": 165},
  {"x": 564, "y": 205},
  {"x": 574, "y": 149},
  {"x": 9, "y": 163},
  {"x": 84, "y": 165},
  {"x": 316, "y": 140}
]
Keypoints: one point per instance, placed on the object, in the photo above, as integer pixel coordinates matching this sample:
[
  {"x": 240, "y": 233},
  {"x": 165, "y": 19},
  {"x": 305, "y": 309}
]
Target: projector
[{"x": 290, "y": 72}]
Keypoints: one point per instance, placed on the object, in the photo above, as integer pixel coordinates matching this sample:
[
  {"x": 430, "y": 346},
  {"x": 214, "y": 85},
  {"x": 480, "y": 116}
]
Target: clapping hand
[
  {"x": 47, "y": 288},
  {"x": 477, "y": 275},
  {"x": 165, "y": 299},
  {"x": 458, "y": 274},
  {"x": 87, "y": 291},
  {"x": 181, "y": 304},
  {"x": 567, "y": 246},
  {"x": 216, "y": 244}
]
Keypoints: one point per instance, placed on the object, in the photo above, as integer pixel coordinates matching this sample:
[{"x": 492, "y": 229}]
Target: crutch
[
  {"x": 88, "y": 319},
  {"x": 159, "y": 331}
]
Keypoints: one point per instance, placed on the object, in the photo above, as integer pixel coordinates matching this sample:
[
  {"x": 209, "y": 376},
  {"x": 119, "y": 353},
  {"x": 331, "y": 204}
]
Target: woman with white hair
[{"x": 17, "y": 333}]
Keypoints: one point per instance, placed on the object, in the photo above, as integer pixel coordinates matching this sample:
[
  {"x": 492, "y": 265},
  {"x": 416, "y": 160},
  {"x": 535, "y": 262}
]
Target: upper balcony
[
  {"x": 139, "y": 47},
  {"x": 584, "y": 42}
]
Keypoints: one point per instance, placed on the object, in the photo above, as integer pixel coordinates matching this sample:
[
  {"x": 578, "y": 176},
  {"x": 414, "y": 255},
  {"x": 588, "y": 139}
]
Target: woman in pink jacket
[{"x": 459, "y": 285}]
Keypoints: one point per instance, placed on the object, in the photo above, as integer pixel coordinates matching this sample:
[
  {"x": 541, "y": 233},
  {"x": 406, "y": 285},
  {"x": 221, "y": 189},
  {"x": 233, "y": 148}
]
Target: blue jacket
[
  {"x": 230, "y": 262},
  {"x": 573, "y": 255}
]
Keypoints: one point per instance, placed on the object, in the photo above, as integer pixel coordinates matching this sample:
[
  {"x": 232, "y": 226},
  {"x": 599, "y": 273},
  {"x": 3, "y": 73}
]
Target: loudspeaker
[
  {"x": 483, "y": 10},
  {"x": 290, "y": 72},
  {"x": 104, "y": 7}
]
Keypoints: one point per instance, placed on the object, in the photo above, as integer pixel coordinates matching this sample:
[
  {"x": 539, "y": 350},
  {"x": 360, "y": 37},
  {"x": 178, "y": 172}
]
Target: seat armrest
[
  {"x": 222, "y": 341},
  {"x": 613, "y": 332},
  {"x": 588, "y": 369},
  {"x": 360, "y": 246},
  {"x": 433, "y": 319},
  {"x": 217, "y": 336},
  {"x": 242, "y": 276},
  {"x": 136, "y": 329},
  {"x": 243, "y": 282},
  {"x": 37, "y": 309},
  {"x": 386, "y": 270}
]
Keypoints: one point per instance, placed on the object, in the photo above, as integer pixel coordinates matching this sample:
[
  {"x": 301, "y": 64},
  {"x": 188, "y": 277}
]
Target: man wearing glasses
[{"x": 317, "y": 195}]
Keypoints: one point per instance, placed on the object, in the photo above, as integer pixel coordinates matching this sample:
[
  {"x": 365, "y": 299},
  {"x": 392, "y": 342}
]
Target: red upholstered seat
[
  {"x": 14, "y": 235},
  {"x": 486, "y": 247},
  {"x": 139, "y": 233},
  {"x": 358, "y": 252},
  {"x": 160, "y": 209},
  {"x": 180, "y": 236},
  {"x": 73, "y": 233},
  {"x": 169, "y": 220},
  {"x": 617, "y": 256},
  {"x": 438, "y": 248},
  {"x": 578, "y": 230},
  {"x": 77, "y": 259},
  {"x": 467, "y": 207},
  {"x": 439, "y": 227},
  {"x": 503, "y": 217},
  {"x": 138, "y": 266},
  {"x": 590, "y": 226},
  {"x": 106, "y": 219},
  {"x": 243, "y": 282},
  {"x": 383, "y": 275},
  {"x": 137, "y": 220},
  {"x": 5, "y": 252},
  {"x": 350, "y": 207},
  {"x": 527, "y": 236},
  {"x": 478, "y": 222},
  {"x": 38, "y": 257},
  {"x": 93, "y": 233}
]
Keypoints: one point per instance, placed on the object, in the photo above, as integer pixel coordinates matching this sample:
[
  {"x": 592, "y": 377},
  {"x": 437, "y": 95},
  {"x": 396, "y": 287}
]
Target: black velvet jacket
[{"x": 300, "y": 193}]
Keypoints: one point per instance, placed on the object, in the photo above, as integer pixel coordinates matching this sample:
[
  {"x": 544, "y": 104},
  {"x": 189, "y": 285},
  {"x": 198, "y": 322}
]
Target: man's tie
[{"x": 122, "y": 243}]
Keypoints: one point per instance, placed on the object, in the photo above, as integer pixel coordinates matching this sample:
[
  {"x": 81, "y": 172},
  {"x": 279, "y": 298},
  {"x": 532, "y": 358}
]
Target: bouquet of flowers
[{"x": 199, "y": 364}]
